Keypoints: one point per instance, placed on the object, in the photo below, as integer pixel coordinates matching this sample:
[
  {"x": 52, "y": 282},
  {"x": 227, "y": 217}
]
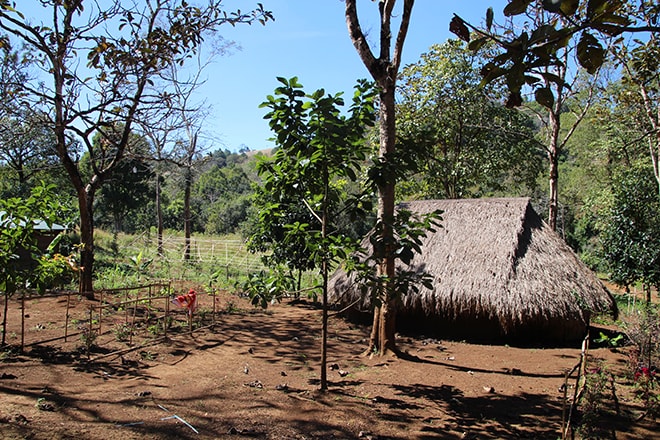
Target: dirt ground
[{"x": 255, "y": 374}]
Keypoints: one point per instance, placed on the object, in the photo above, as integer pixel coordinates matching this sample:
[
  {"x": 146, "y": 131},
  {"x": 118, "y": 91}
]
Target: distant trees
[
  {"x": 471, "y": 144},
  {"x": 83, "y": 103},
  {"x": 631, "y": 238},
  {"x": 223, "y": 197}
]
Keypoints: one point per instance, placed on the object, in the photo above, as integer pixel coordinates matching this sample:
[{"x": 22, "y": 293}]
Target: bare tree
[{"x": 173, "y": 125}]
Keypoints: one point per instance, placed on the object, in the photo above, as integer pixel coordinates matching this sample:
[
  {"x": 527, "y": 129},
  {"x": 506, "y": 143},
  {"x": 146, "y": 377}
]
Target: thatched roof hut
[{"x": 499, "y": 273}]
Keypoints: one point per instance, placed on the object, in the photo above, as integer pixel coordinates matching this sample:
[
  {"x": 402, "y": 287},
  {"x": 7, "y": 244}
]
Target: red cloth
[{"x": 189, "y": 301}]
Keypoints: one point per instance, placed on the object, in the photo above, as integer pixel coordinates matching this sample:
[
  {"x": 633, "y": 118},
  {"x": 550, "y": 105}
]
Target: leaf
[
  {"x": 489, "y": 18},
  {"x": 477, "y": 44},
  {"x": 552, "y": 5},
  {"x": 457, "y": 26},
  {"x": 545, "y": 97},
  {"x": 516, "y": 7},
  {"x": 570, "y": 7},
  {"x": 590, "y": 53}
]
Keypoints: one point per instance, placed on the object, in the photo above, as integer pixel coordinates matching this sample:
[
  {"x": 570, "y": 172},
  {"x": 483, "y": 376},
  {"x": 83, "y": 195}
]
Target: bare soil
[{"x": 255, "y": 374}]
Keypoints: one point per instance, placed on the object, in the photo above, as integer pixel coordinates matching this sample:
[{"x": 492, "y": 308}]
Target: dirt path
[{"x": 256, "y": 375}]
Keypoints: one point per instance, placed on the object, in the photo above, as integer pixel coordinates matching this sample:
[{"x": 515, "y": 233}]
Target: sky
[{"x": 308, "y": 39}]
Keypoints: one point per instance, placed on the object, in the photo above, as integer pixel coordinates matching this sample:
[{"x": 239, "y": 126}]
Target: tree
[
  {"x": 541, "y": 44},
  {"x": 472, "y": 145},
  {"x": 552, "y": 83},
  {"x": 316, "y": 145},
  {"x": 20, "y": 265},
  {"x": 641, "y": 68},
  {"x": 631, "y": 240},
  {"x": 537, "y": 56},
  {"x": 384, "y": 69},
  {"x": 25, "y": 140},
  {"x": 83, "y": 103},
  {"x": 128, "y": 186}
]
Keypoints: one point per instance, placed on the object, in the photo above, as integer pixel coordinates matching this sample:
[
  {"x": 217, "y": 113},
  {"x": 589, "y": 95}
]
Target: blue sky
[{"x": 308, "y": 39}]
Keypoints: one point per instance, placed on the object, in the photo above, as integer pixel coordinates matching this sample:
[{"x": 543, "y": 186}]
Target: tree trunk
[
  {"x": 385, "y": 339},
  {"x": 4, "y": 320},
  {"x": 383, "y": 70},
  {"x": 553, "y": 158},
  {"x": 85, "y": 203},
  {"x": 186, "y": 214},
  {"x": 324, "y": 293},
  {"x": 324, "y": 324},
  {"x": 159, "y": 216},
  {"x": 553, "y": 202}
]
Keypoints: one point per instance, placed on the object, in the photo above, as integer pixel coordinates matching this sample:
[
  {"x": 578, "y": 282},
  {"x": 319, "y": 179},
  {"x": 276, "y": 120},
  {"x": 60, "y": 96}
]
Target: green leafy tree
[
  {"x": 631, "y": 240},
  {"x": 26, "y": 141},
  {"x": 641, "y": 102},
  {"x": 527, "y": 51},
  {"x": 539, "y": 51},
  {"x": 20, "y": 264},
  {"x": 316, "y": 145},
  {"x": 94, "y": 79},
  {"x": 472, "y": 145}
]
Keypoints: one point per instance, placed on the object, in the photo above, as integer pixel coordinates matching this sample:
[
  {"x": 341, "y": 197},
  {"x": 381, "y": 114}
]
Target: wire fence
[
  {"x": 226, "y": 256},
  {"x": 118, "y": 319}
]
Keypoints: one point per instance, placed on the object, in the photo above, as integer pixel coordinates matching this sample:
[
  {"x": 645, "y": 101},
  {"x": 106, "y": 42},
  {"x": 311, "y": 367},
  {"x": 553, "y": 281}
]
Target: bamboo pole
[
  {"x": 66, "y": 318},
  {"x": 22, "y": 321},
  {"x": 100, "y": 310}
]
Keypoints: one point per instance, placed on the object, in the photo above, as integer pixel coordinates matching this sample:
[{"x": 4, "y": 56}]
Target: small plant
[
  {"x": 598, "y": 387},
  {"x": 610, "y": 341},
  {"x": 147, "y": 355},
  {"x": 88, "y": 338},
  {"x": 122, "y": 331},
  {"x": 154, "y": 329},
  {"x": 646, "y": 382},
  {"x": 643, "y": 329},
  {"x": 264, "y": 289},
  {"x": 231, "y": 307}
]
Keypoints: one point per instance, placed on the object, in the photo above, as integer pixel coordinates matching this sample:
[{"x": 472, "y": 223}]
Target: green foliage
[
  {"x": 317, "y": 147},
  {"x": 611, "y": 341},
  {"x": 264, "y": 289},
  {"x": 451, "y": 128},
  {"x": 223, "y": 196},
  {"x": 527, "y": 52},
  {"x": 128, "y": 189},
  {"x": 122, "y": 331},
  {"x": 21, "y": 265},
  {"x": 409, "y": 230},
  {"x": 631, "y": 239}
]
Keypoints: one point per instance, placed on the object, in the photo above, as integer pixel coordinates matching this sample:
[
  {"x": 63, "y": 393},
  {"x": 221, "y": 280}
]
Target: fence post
[
  {"x": 66, "y": 318},
  {"x": 22, "y": 321},
  {"x": 101, "y": 310}
]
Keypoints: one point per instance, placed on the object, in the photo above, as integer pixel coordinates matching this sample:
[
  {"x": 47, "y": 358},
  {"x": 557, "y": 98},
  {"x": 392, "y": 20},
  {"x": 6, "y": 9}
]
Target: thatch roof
[{"x": 499, "y": 271}]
